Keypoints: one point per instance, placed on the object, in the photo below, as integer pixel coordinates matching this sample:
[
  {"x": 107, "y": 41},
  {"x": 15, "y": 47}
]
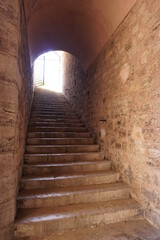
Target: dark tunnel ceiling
[{"x": 80, "y": 27}]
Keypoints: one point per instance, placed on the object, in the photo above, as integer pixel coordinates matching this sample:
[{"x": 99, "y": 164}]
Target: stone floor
[{"x": 134, "y": 230}]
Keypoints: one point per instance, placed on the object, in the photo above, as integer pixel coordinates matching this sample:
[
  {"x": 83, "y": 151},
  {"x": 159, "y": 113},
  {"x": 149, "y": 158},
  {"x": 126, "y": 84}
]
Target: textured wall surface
[
  {"x": 119, "y": 99},
  {"x": 15, "y": 101}
]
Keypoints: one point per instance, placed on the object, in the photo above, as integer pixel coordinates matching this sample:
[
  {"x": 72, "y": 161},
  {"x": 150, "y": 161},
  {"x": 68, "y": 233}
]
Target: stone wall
[
  {"x": 15, "y": 101},
  {"x": 119, "y": 100}
]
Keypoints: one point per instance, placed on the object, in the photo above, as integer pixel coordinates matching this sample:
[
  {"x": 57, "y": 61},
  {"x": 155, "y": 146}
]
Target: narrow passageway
[
  {"x": 67, "y": 184},
  {"x": 79, "y": 120}
]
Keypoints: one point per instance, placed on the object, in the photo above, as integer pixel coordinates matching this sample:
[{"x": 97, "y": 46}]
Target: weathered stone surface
[
  {"x": 119, "y": 99},
  {"x": 133, "y": 230},
  {"x": 77, "y": 193},
  {"x": 15, "y": 101}
]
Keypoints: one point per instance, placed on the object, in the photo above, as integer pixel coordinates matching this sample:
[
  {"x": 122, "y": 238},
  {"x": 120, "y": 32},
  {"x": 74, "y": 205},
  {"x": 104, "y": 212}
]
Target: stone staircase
[{"x": 66, "y": 183}]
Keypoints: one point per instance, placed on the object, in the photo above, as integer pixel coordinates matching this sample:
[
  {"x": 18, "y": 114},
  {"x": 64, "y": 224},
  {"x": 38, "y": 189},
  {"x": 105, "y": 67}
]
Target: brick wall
[
  {"x": 119, "y": 100},
  {"x": 15, "y": 102}
]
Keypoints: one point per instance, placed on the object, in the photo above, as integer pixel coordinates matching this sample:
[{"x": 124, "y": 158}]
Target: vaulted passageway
[
  {"x": 81, "y": 28},
  {"x": 111, "y": 80}
]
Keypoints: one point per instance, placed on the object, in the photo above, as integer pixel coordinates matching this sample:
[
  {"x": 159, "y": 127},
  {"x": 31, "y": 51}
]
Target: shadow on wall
[{"x": 74, "y": 87}]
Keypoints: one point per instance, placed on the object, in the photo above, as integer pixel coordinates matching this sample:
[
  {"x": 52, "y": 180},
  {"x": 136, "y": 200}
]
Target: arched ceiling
[{"x": 81, "y": 27}]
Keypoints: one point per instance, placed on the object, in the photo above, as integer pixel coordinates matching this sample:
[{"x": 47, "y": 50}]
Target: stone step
[
  {"x": 60, "y": 120},
  {"x": 49, "y": 103},
  {"x": 57, "y": 129},
  {"x": 60, "y": 141},
  {"x": 63, "y": 157},
  {"x": 54, "y": 116},
  {"x": 40, "y": 198},
  {"x": 56, "y": 124},
  {"x": 57, "y": 112},
  {"x": 137, "y": 229},
  {"x": 61, "y": 148},
  {"x": 49, "y": 106},
  {"x": 59, "y": 135},
  {"x": 61, "y": 168},
  {"x": 53, "y": 113},
  {"x": 69, "y": 179},
  {"x": 67, "y": 108},
  {"x": 46, "y": 221},
  {"x": 52, "y": 106},
  {"x": 47, "y": 99}
]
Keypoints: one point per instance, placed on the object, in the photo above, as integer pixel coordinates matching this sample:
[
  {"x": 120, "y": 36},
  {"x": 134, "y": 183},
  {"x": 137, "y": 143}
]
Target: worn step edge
[
  {"x": 56, "y": 124},
  {"x": 60, "y": 141},
  {"x": 53, "y": 114},
  {"x": 61, "y": 196},
  {"x": 53, "y": 111},
  {"x": 64, "y": 168},
  {"x": 60, "y": 148},
  {"x": 136, "y": 229},
  {"x": 43, "y": 222},
  {"x": 61, "y": 120},
  {"x": 58, "y": 134},
  {"x": 64, "y": 157},
  {"x": 44, "y": 115},
  {"x": 83, "y": 178},
  {"x": 55, "y": 117},
  {"x": 58, "y": 129},
  {"x": 48, "y": 103}
]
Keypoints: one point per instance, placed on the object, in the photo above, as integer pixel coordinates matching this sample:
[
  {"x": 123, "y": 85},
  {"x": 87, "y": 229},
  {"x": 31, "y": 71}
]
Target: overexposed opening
[{"x": 47, "y": 71}]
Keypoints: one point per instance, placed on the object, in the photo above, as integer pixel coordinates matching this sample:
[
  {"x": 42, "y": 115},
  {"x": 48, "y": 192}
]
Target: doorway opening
[{"x": 47, "y": 71}]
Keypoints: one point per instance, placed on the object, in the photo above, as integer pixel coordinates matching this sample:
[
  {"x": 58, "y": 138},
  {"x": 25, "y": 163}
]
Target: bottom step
[
  {"x": 131, "y": 230},
  {"x": 47, "y": 221}
]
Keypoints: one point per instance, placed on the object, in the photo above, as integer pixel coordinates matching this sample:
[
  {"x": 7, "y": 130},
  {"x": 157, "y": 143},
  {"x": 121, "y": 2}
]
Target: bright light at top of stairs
[{"x": 48, "y": 71}]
